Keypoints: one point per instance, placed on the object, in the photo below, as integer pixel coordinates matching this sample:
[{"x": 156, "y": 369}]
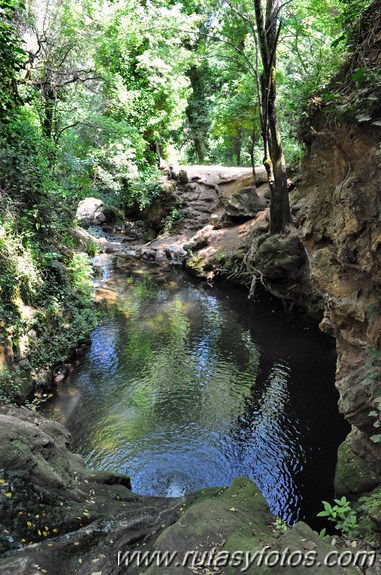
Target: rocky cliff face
[{"x": 341, "y": 230}]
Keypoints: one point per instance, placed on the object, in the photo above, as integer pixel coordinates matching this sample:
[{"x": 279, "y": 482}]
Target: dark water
[{"x": 187, "y": 386}]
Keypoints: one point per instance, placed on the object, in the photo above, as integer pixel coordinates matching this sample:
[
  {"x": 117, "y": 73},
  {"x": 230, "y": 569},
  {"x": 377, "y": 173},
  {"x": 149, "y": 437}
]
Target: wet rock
[
  {"x": 136, "y": 231},
  {"x": 60, "y": 373},
  {"x": 44, "y": 380}
]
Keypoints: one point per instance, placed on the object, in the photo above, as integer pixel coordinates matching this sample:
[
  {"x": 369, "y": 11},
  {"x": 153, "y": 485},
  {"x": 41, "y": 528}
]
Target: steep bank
[
  {"x": 341, "y": 230},
  {"x": 342, "y": 234}
]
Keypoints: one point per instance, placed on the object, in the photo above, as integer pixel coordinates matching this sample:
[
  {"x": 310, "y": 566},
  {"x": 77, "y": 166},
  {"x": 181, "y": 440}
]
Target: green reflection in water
[
  {"x": 176, "y": 369},
  {"x": 172, "y": 392},
  {"x": 163, "y": 362}
]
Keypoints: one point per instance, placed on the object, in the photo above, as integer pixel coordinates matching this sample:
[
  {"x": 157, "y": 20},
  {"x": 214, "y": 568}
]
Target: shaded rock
[
  {"x": 280, "y": 257},
  {"x": 183, "y": 177},
  {"x": 112, "y": 215},
  {"x": 136, "y": 231},
  {"x": 6, "y": 352},
  {"x": 44, "y": 380},
  {"x": 49, "y": 499},
  {"x": 61, "y": 372},
  {"x": 151, "y": 235},
  {"x": 353, "y": 476},
  {"x": 148, "y": 254},
  {"x": 221, "y": 525},
  {"x": 216, "y": 221},
  {"x": 176, "y": 254},
  {"x": 245, "y": 203}
]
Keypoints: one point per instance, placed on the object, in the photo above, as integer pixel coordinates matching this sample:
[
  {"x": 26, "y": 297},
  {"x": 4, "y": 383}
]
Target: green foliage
[
  {"x": 92, "y": 248},
  {"x": 100, "y": 89},
  {"x": 143, "y": 190},
  {"x": 280, "y": 525},
  {"x": 11, "y": 385},
  {"x": 323, "y": 534},
  {"x": 342, "y": 515},
  {"x": 12, "y": 57},
  {"x": 66, "y": 314},
  {"x": 368, "y": 507},
  {"x": 172, "y": 219},
  {"x": 351, "y": 12}
]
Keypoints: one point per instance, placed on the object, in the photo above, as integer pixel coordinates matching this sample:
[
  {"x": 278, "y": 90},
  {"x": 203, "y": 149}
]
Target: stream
[{"x": 188, "y": 386}]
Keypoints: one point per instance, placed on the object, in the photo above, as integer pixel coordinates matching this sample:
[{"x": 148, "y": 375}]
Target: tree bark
[{"x": 274, "y": 162}]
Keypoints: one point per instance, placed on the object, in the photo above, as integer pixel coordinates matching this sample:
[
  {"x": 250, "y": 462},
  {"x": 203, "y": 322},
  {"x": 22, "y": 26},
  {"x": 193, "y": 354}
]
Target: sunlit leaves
[{"x": 12, "y": 57}]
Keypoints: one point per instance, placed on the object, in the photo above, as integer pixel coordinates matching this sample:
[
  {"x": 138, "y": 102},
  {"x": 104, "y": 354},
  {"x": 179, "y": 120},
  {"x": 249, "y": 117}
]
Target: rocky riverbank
[{"x": 60, "y": 518}]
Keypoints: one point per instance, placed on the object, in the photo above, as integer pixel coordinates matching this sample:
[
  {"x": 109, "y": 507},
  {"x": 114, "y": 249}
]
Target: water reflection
[{"x": 183, "y": 389}]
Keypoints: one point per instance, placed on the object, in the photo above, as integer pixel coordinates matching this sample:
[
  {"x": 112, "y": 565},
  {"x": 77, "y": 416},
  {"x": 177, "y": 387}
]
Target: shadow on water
[{"x": 187, "y": 386}]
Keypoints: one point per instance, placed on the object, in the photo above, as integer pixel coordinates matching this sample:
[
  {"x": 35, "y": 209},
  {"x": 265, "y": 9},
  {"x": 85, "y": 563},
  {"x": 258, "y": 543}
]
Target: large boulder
[
  {"x": 90, "y": 212},
  {"x": 245, "y": 203},
  {"x": 232, "y": 531},
  {"x": 58, "y": 517},
  {"x": 353, "y": 476},
  {"x": 280, "y": 257}
]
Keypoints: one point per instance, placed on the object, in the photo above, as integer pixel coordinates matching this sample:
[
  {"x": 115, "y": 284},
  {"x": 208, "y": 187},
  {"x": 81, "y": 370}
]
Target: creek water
[{"x": 186, "y": 386}]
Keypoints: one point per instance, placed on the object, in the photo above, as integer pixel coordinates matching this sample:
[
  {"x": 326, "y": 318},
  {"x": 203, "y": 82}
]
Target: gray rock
[
  {"x": 183, "y": 177},
  {"x": 216, "y": 221},
  {"x": 89, "y": 212},
  {"x": 245, "y": 203},
  {"x": 199, "y": 240},
  {"x": 176, "y": 254}
]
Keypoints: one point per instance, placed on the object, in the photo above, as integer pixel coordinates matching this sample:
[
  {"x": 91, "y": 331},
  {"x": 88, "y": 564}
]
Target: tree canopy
[{"x": 94, "y": 94}]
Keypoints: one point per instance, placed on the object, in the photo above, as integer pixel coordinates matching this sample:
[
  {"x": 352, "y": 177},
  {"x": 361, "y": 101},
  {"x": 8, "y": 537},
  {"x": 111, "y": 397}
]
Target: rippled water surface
[{"x": 187, "y": 386}]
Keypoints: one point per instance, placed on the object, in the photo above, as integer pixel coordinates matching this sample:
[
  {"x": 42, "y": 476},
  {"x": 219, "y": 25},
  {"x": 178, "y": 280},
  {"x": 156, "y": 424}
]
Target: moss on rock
[
  {"x": 279, "y": 257},
  {"x": 353, "y": 476},
  {"x": 232, "y": 531}
]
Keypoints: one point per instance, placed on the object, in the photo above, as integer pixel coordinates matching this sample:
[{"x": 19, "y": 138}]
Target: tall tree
[
  {"x": 265, "y": 27},
  {"x": 268, "y": 29}
]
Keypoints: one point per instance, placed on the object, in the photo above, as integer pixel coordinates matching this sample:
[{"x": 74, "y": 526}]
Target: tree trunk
[
  {"x": 280, "y": 215},
  {"x": 238, "y": 146},
  {"x": 274, "y": 162}
]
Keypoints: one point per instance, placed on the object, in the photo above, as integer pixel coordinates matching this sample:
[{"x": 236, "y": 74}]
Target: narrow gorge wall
[{"x": 341, "y": 230}]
